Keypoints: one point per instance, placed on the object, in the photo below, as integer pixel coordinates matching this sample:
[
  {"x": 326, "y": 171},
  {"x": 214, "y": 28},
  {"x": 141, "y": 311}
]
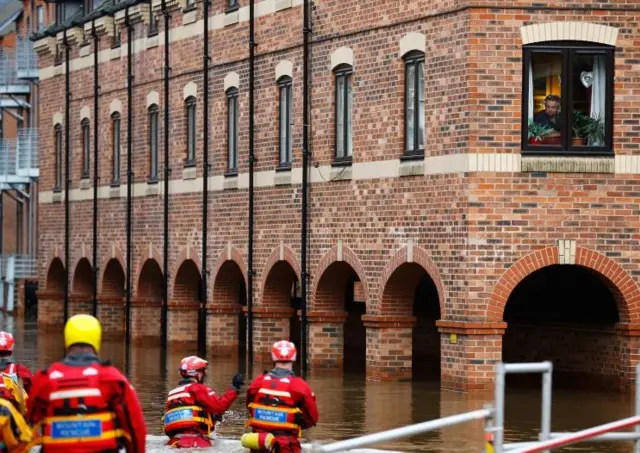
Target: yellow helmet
[
  {"x": 83, "y": 329},
  {"x": 17, "y": 392}
]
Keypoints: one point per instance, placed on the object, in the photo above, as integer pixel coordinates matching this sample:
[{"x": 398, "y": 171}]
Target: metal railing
[
  {"x": 26, "y": 60},
  {"x": 19, "y": 157},
  {"x": 17, "y": 66},
  {"x": 494, "y": 422}
]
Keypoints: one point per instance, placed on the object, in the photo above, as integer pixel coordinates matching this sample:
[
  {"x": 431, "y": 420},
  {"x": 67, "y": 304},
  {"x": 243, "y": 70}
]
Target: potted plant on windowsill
[
  {"x": 579, "y": 122},
  {"x": 593, "y": 131},
  {"x": 537, "y": 132}
]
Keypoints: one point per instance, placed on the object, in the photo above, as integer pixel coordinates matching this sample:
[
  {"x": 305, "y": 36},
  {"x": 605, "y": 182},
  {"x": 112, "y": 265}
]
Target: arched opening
[
  {"x": 280, "y": 292},
  {"x": 82, "y": 288},
  {"x": 49, "y": 313},
  {"x": 565, "y": 314},
  {"x": 185, "y": 304},
  {"x": 410, "y": 291},
  {"x": 340, "y": 290},
  {"x": 56, "y": 276},
  {"x": 148, "y": 301},
  {"x": 111, "y": 300},
  {"x": 227, "y": 327}
]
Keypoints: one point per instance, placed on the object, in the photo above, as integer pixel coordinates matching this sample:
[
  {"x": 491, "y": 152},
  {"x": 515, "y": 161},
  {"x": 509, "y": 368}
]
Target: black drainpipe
[
  {"x": 67, "y": 180},
  {"x": 251, "y": 161},
  {"x": 129, "y": 26},
  {"x": 305, "y": 189},
  {"x": 202, "y": 344},
  {"x": 96, "y": 91},
  {"x": 167, "y": 171}
]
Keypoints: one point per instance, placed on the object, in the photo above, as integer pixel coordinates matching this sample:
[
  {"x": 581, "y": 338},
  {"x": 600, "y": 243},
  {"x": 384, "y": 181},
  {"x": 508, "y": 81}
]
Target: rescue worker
[
  {"x": 83, "y": 404},
  {"x": 281, "y": 404},
  {"x": 16, "y": 435},
  {"x": 192, "y": 408},
  {"x": 8, "y": 366}
]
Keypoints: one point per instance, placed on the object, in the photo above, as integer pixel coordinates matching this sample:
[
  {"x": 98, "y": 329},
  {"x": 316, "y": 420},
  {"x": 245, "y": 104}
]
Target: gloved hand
[
  {"x": 298, "y": 419},
  {"x": 237, "y": 382}
]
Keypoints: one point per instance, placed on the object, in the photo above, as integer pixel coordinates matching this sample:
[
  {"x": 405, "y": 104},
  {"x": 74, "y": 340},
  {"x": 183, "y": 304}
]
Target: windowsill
[
  {"x": 189, "y": 15},
  {"x": 558, "y": 152},
  {"x": 412, "y": 156},
  {"x": 57, "y": 195},
  {"x": 152, "y": 188},
  {"x": 413, "y": 166},
  {"x": 189, "y": 171},
  {"x": 232, "y": 16},
  {"x": 114, "y": 191},
  {"x": 341, "y": 172},
  {"x": 153, "y": 181},
  {"x": 152, "y": 41},
  {"x": 115, "y": 53},
  {"x": 282, "y": 177},
  {"x": 115, "y": 184},
  {"x": 342, "y": 162},
  {"x": 231, "y": 173},
  {"x": 567, "y": 164},
  {"x": 283, "y": 4},
  {"x": 230, "y": 180},
  {"x": 57, "y": 190},
  {"x": 85, "y": 183},
  {"x": 152, "y": 33},
  {"x": 85, "y": 50},
  {"x": 283, "y": 167}
]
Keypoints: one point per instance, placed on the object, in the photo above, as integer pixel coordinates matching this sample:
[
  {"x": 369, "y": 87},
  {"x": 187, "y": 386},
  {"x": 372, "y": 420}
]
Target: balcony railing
[
  {"x": 17, "y": 66},
  {"x": 19, "y": 157},
  {"x": 26, "y": 60}
]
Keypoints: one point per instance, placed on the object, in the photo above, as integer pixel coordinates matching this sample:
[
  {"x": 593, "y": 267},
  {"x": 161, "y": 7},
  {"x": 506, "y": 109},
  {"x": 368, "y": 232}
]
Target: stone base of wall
[
  {"x": 182, "y": 323},
  {"x": 222, "y": 330},
  {"x": 145, "y": 321},
  {"x": 50, "y": 310},
  {"x": 111, "y": 314}
]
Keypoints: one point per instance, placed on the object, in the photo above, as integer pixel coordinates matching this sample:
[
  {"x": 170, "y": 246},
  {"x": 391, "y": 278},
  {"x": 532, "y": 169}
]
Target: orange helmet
[
  {"x": 6, "y": 342},
  {"x": 192, "y": 365},
  {"x": 283, "y": 351}
]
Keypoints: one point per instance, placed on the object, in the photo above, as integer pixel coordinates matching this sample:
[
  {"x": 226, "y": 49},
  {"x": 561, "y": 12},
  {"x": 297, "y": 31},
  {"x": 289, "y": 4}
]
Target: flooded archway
[
  {"x": 56, "y": 276},
  {"x": 81, "y": 296},
  {"x": 185, "y": 304},
  {"x": 147, "y": 303},
  {"x": 51, "y": 299},
  {"x": 566, "y": 314},
  {"x": 226, "y": 325},
  {"x": 111, "y": 300}
]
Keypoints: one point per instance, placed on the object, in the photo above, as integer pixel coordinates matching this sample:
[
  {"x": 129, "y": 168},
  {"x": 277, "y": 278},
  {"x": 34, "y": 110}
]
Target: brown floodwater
[{"x": 349, "y": 405}]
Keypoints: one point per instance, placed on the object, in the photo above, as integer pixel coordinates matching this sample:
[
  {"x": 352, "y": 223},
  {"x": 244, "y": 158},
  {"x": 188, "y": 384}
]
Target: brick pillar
[
  {"x": 50, "y": 310},
  {"x": 389, "y": 346},
  {"x": 269, "y": 325},
  {"x": 222, "y": 330},
  {"x": 629, "y": 347},
  {"x": 469, "y": 353},
  {"x": 111, "y": 315},
  {"x": 326, "y": 339},
  {"x": 144, "y": 329},
  {"x": 182, "y": 325},
  {"x": 80, "y": 304}
]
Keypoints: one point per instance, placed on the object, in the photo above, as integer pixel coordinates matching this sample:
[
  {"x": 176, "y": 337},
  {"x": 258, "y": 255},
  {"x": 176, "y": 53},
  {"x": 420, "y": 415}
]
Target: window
[
  {"x": 285, "y": 132},
  {"x": 232, "y": 130},
  {"x": 190, "y": 105},
  {"x": 233, "y": 4},
  {"x": 40, "y": 16},
  {"x": 58, "y": 151},
  {"x": 115, "y": 129},
  {"x": 344, "y": 95},
  {"x": 116, "y": 35},
  {"x": 153, "y": 24},
  {"x": 85, "y": 148},
  {"x": 153, "y": 143},
  {"x": 87, "y": 6},
  {"x": 568, "y": 99},
  {"x": 191, "y": 4},
  {"x": 414, "y": 104},
  {"x": 59, "y": 13}
]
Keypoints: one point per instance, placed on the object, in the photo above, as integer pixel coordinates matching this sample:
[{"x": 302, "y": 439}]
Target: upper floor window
[
  {"x": 115, "y": 130},
  {"x": 568, "y": 98},
  {"x": 190, "y": 107},
  {"x": 40, "y": 17},
  {"x": 153, "y": 143},
  {"x": 153, "y": 24},
  {"x": 190, "y": 4},
  {"x": 285, "y": 120},
  {"x": 85, "y": 147},
  {"x": 232, "y": 130},
  {"x": 232, "y": 4},
  {"x": 58, "y": 150},
  {"x": 116, "y": 35},
  {"x": 344, "y": 95},
  {"x": 414, "y": 127},
  {"x": 59, "y": 13}
]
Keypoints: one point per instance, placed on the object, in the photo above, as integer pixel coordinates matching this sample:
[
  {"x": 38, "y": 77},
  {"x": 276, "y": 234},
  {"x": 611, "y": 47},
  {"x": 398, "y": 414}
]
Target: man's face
[{"x": 551, "y": 107}]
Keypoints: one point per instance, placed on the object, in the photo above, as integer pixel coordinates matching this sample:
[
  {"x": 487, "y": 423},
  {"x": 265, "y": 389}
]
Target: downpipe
[
  {"x": 67, "y": 178},
  {"x": 167, "y": 172},
  {"x": 96, "y": 178},
  {"x": 130, "y": 175},
  {"x": 251, "y": 161}
]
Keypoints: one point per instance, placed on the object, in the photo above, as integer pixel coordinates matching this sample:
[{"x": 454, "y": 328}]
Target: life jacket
[
  {"x": 273, "y": 408},
  {"x": 183, "y": 414},
  {"x": 15, "y": 434},
  {"x": 78, "y": 414},
  {"x": 10, "y": 371}
]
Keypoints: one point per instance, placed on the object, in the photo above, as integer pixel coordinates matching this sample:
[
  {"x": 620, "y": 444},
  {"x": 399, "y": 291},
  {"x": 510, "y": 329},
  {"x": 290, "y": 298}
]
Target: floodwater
[{"x": 349, "y": 405}]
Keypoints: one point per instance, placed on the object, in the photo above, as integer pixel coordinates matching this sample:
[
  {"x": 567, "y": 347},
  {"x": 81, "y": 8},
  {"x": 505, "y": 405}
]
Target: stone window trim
[
  {"x": 86, "y": 147},
  {"x": 285, "y": 120},
  {"x": 57, "y": 140},
  {"x": 569, "y": 55},
  {"x": 232, "y": 132},
  {"x": 414, "y": 63},
  {"x": 343, "y": 108}
]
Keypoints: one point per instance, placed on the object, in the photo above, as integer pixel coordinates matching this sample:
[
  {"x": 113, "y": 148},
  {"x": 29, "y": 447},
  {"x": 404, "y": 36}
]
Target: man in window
[{"x": 549, "y": 116}]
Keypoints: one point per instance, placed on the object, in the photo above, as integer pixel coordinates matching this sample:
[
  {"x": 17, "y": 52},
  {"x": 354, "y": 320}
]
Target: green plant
[
  {"x": 589, "y": 128},
  {"x": 538, "y": 131}
]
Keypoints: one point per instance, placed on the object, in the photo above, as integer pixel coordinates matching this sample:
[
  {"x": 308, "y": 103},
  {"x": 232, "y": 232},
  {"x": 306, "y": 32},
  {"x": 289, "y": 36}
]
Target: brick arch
[
  {"x": 569, "y": 31},
  {"x": 627, "y": 289},
  {"x": 186, "y": 254},
  {"x": 281, "y": 253},
  {"x": 55, "y": 274},
  {"x": 113, "y": 284},
  {"x": 115, "y": 253},
  {"x": 230, "y": 253},
  {"x": 149, "y": 282},
  {"x": 150, "y": 252},
  {"x": 340, "y": 253},
  {"x": 420, "y": 257},
  {"x": 79, "y": 283}
]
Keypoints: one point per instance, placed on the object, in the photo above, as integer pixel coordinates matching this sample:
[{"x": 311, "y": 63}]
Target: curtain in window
[
  {"x": 531, "y": 104},
  {"x": 598, "y": 90}
]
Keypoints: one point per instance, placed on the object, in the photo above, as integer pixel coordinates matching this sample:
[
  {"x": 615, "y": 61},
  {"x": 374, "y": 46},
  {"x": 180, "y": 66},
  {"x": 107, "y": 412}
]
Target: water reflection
[{"x": 349, "y": 405}]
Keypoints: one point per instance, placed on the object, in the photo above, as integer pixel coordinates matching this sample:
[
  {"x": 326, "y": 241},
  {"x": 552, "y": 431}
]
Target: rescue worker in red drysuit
[
  {"x": 8, "y": 366},
  {"x": 281, "y": 403},
  {"x": 192, "y": 408},
  {"x": 84, "y": 405}
]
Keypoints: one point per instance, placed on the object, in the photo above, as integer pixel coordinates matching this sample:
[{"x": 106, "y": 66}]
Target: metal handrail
[{"x": 404, "y": 431}]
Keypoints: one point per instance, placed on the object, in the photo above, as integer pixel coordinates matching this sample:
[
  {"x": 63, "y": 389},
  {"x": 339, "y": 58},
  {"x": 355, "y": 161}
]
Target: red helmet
[
  {"x": 6, "y": 342},
  {"x": 190, "y": 366},
  {"x": 283, "y": 351}
]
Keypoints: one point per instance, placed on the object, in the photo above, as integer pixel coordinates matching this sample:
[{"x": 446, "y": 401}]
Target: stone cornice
[
  {"x": 137, "y": 14},
  {"x": 75, "y": 35},
  {"x": 171, "y": 5},
  {"x": 45, "y": 45},
  {"x": 104, "y": 26}
]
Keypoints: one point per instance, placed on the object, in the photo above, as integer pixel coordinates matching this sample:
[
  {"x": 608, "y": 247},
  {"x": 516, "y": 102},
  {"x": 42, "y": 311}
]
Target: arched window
[
  {"x": 190, "y": 112},
  {"x": 115, "y": 130},
  {"x": 58, "y": 150},
  {"x": 414, "y": 120},
  {"x": 153, "y": 142},
  {"x": 285, "y": 133},
  {"x": 86, "y": 147},
  {"x": 344, "y": 95},
  {"x": 232, "y": 130}
]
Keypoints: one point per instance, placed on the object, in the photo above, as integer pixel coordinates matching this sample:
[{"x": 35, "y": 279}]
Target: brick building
[{"x": 473, "y": 180}]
